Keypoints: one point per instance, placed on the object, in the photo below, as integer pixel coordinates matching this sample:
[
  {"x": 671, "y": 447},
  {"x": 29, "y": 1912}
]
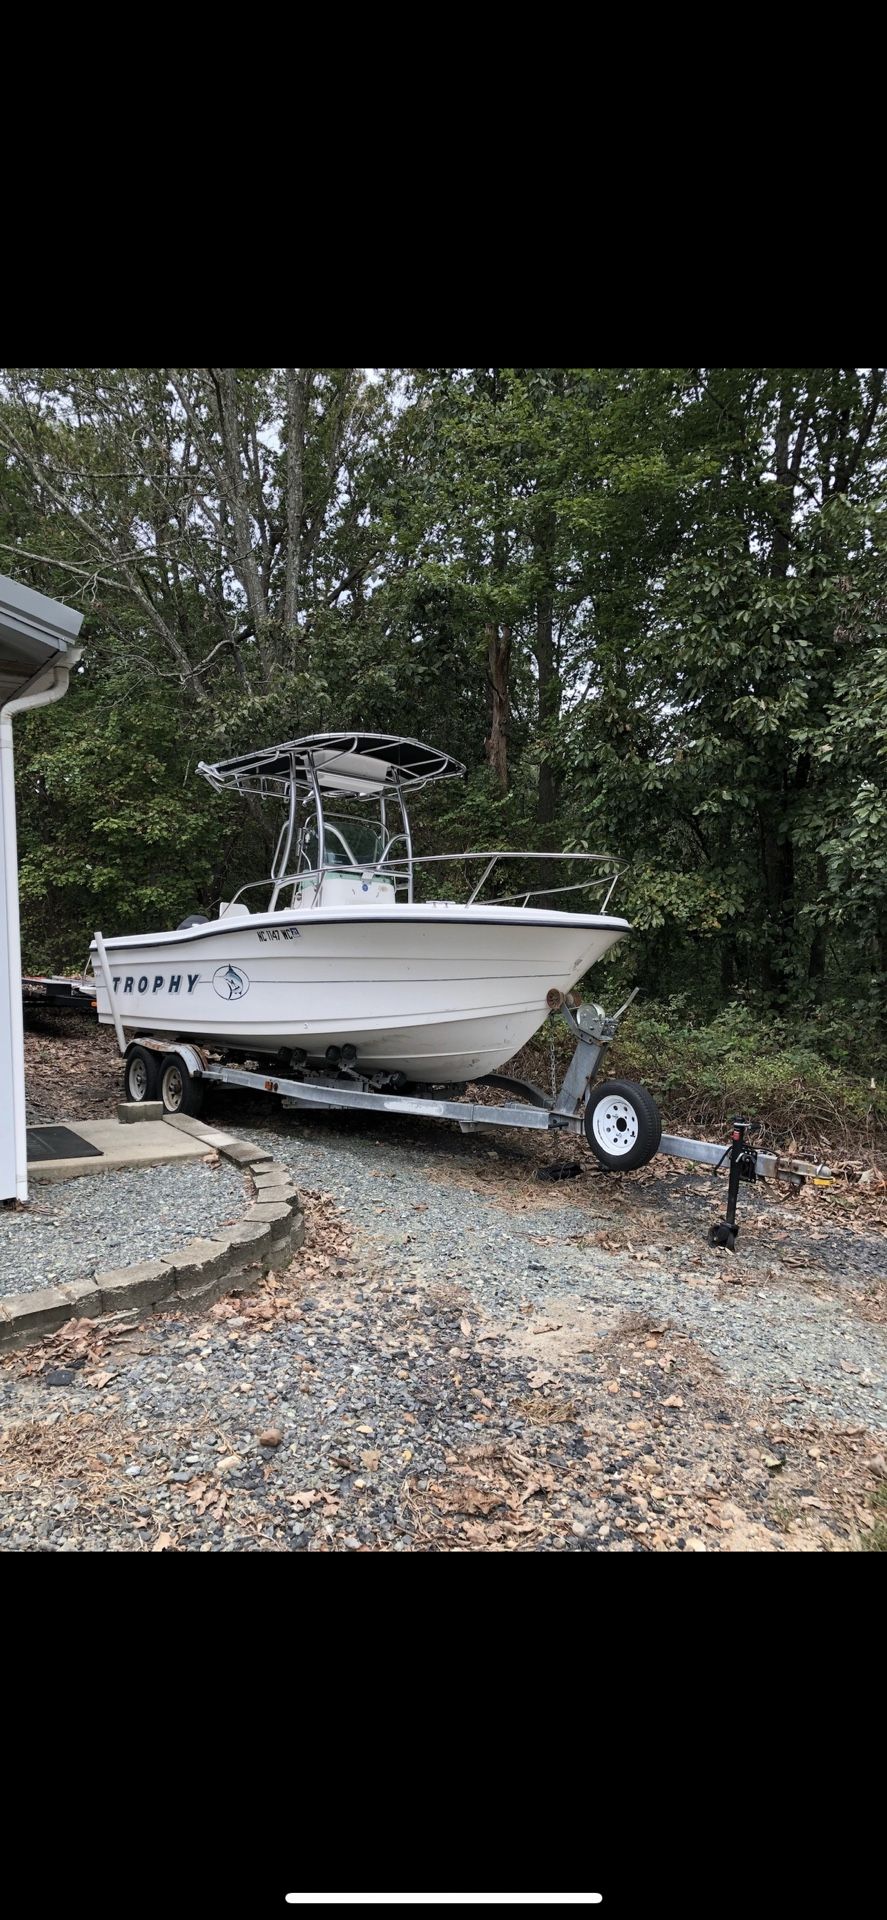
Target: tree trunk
[
  {"x": 881, "y": 968},
  {"x": 547, "y": 666},
  {"x": 498, "y": 662},
  {"x": 224, "y": 384},
  {"x": 779, "y": 874},
  {"x": 298, "y": 386},
  {"x": 816, "y": 963}
]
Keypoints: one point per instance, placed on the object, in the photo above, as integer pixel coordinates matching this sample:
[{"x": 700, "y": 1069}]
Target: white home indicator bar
[{"x": 444, "y": 1899}]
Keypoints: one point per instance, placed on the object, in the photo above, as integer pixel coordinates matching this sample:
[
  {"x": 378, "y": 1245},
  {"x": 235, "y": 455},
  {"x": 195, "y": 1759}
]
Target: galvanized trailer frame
[{"x": 565, "y": 1111}]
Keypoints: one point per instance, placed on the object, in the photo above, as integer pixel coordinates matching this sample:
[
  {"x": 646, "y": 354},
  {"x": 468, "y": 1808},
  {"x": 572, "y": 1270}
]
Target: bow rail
[{"x": 401, "y": 871}]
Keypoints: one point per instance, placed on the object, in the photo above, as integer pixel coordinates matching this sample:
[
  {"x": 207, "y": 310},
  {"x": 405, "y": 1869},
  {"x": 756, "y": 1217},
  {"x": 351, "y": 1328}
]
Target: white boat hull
[{"x": 439, "y": 993}]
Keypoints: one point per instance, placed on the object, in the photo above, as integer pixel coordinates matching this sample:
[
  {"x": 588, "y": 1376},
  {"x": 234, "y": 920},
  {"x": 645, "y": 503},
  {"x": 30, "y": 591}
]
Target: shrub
[{"x": 704, "y": 1075}]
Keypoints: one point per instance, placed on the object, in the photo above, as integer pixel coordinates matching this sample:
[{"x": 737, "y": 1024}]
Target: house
[{"x": 37, "y": 651}]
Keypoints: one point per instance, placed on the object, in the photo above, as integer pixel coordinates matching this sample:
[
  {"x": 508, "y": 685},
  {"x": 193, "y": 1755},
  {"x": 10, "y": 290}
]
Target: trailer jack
[{"x": 743, "y": 1166}]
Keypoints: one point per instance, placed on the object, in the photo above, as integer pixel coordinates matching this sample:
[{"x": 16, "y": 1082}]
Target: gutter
[{"x": 47, "y": 686}]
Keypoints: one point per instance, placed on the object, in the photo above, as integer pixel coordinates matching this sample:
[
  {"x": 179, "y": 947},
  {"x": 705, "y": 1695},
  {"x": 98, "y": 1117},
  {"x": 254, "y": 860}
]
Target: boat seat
[{"x": 236, "y": 909}]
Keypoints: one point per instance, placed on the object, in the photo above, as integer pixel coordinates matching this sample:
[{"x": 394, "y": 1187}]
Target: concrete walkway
[{"x": 148, "y": 1144}]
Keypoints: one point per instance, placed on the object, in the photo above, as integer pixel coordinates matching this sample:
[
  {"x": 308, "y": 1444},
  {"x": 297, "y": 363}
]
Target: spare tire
[{"x": 622, "y": 1124}]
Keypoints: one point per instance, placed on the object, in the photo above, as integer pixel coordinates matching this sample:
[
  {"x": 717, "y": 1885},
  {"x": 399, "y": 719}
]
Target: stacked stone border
[{"x": 198, "y": 1273}]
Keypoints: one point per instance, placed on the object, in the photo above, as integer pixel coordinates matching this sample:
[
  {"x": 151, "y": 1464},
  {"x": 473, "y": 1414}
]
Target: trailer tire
[
  {"x": 140, "y": 1075},
  {"x": 180, "y": 1090},
  {"x": 622, "y": 1125}
]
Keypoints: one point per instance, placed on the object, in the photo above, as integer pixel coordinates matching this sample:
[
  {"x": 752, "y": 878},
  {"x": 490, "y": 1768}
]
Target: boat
[{"x": 334, "y": 960}]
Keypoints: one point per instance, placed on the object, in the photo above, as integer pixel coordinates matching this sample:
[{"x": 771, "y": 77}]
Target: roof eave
[{"x": 33, "y": 631}]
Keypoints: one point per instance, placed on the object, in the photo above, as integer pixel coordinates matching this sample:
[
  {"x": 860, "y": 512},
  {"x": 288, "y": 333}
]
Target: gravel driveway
[
  {"x": 432, "y": 1205},
  {"x": 461, "y": 1358}
]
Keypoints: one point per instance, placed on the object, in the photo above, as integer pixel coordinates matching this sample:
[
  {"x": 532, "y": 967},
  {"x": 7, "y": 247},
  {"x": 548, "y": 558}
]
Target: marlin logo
[{"x": 230, "y": 983}]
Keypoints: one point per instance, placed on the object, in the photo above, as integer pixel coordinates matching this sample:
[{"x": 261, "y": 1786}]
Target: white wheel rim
[
  {"x": 172, "y": 1089},
  {"x": 138, "y": 1079},
  {"x": 615, "y": 1125}
]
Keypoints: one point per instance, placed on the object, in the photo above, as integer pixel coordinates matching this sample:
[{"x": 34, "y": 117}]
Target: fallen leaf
[
  {"x": 674, "y": 1400},
  {"x": 162, "y": 1543},
  {"x": 466, "y": 1499}
]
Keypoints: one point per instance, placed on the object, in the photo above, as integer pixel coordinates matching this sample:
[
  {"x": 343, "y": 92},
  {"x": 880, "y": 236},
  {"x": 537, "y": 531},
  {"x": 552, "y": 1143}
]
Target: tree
[
  {"x": 644, "y": 605},
  {"x": 192, "y": 503}
]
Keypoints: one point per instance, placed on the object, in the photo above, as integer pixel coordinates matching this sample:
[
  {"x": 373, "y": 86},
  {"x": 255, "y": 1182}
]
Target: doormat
[{"x": 58, "y": 1143}]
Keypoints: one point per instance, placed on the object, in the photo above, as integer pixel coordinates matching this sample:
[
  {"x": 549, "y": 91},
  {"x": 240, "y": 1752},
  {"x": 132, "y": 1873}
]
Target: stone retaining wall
[{"x": 267, "y": 1236}]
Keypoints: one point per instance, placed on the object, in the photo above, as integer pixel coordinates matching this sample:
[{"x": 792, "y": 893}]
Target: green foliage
[
  {"x": 794, "y": 1079},
  {"x": 102, "y": 801},
  {"x": 704, "y": 1074},
  {"x": 647, "y": 607}
]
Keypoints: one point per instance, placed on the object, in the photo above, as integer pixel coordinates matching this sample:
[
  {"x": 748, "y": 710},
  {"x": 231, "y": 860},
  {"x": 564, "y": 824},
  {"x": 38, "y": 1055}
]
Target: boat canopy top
[{"x": 364, "y": 765}]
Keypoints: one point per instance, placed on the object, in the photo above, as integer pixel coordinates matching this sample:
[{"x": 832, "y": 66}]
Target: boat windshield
[{"x": 347, "y": 843}]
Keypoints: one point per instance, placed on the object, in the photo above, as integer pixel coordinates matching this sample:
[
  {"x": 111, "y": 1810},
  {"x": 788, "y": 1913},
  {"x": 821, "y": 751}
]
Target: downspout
[{"x": 46, "y": 686}]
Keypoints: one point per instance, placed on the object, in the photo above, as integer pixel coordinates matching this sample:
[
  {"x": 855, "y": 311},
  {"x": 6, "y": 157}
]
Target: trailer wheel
[
  {"x": 140, "y": 1075},
  {"x": 180, "y": 1091},
  {"x": 622, "y": 1124}
]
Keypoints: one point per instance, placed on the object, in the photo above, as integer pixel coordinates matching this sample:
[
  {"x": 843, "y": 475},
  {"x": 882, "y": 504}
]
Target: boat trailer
[
  {"x": 619, "y": 1118},
  {"x": 54, "y": 990}
]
